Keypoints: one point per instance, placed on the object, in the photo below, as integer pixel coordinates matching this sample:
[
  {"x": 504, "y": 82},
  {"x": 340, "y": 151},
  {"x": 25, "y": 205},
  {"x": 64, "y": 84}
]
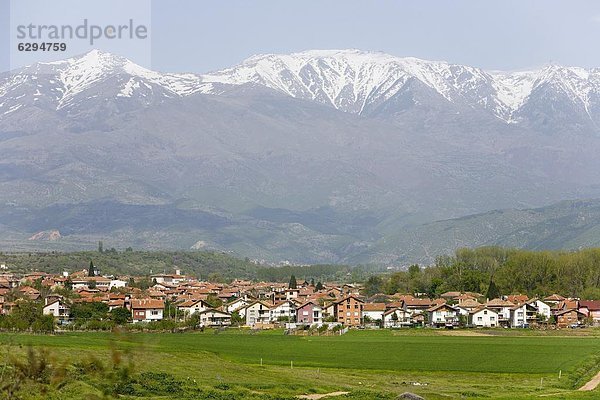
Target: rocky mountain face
[{"x": 318, "y": 156}]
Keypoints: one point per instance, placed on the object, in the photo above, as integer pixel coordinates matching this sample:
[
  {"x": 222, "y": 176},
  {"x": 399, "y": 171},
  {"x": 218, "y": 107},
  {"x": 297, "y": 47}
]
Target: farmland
[{"x": 492, "y": 364}]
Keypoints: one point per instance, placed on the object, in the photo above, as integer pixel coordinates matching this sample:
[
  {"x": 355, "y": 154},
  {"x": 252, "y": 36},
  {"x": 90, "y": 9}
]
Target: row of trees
[{"x": 535, "y": 273}]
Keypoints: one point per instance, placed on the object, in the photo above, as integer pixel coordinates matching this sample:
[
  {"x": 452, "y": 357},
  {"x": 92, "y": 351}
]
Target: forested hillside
[{"x": 207, "y": 265}]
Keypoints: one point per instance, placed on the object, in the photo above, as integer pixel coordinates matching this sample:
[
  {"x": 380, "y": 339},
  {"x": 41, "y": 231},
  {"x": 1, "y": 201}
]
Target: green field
[{"x": 380, "y": 364}]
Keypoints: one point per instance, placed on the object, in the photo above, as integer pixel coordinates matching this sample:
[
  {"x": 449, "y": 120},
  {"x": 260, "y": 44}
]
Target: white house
[
  {"x": 462, "y": 310},
  {"x": 117, "y": 283},
  {"x": 212, "y": 318},
  {"x": 190, "y": 307},
  {"x": 502, "y": 307},
  {"x": 484, "y": 318},
  {"x": 396, "y": 318},
  {"x": 374, "y": 311},
  {"x": 257, "y": 313},
  {"x": 86, "y": 282},
  {"x": 518, "y": 316},
  {"x": 292, "y": 294},
  {"x": 58, "y": 309},
  {"x": 238, "y": 305},
  {"x": 443, "y": 315},
  {"x": 542, "y": 307},
  {"x": 169, "y": 279},
  {"x": 283, "y": 310},
  {"x": 329, "y": 309}
]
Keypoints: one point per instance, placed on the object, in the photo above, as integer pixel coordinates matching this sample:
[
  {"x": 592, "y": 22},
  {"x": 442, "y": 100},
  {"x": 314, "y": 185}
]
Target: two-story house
[
  {"x": 484, "y": 318},
  {"x": 146, "y": 310},
  {"x": 309, "y": 313}
]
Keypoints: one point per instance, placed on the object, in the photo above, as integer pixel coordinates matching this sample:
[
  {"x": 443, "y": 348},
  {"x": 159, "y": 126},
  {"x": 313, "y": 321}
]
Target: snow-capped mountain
[
  {"x": 95, "y": 78},
  {"x": 359, "y": 82}
]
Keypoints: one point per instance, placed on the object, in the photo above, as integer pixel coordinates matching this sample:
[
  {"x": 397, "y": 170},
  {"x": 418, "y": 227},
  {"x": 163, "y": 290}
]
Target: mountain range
[{"x": 318, "y": 156}]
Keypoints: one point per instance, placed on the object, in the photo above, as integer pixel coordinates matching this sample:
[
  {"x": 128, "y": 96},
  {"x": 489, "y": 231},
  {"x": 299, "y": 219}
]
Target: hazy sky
[{"x": 198, "y": 36}]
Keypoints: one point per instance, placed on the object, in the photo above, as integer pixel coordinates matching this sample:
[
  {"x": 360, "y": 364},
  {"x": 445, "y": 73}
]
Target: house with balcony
[
  {"x": 502, "y": 308},
  {"x": 283, "y": 311},
  {"x": 257, "y": 312},
  {"x": 443, "y": 315},
  {"x": 214, "y": 318},
  {"x": 396, "y": 317},
  {"x": 58, "y": 309}
]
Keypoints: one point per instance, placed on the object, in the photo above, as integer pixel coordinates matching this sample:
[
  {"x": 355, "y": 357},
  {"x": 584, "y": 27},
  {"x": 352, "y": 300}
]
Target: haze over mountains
[{"x": 319, "y": 156}]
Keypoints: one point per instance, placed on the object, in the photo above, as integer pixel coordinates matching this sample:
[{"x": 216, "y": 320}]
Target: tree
[
  {"x": 373, "y": 285},
  {"x": 312, "y": 282},
  {"x": 493, "y": 291},
  {"x": 91, "y": 269},
  {"x": 100, "y": 247},
  {"x": 193, "y": 320},
  {"x": 120, "y": 315},
  {"x": 293, "y": 283},
  {"x": 87, "y": 311},
  {"x": 25, "y": 314},
  {"x": 319, "y": 286},
  {"x": 214, "y": 301},
  {"x": 43, "y": 323},
  {"x": 413, "y": 271},
  {"x": 236, "y": 319}
]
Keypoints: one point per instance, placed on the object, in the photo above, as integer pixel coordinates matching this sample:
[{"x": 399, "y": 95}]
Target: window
[
  {"x": 304, "y": 312},
  {"x": 479, "y": 318},
  {"x": 154, "y": 312},
  {"x": 348, "y": 314},
  {"x": 485, "y": 312},
  {"x": 492, "y": 318},
  {"x": 356, "y": 314}
]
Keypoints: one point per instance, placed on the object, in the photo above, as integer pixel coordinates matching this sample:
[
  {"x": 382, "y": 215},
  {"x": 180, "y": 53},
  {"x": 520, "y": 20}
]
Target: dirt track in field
[
  {"x": 320, "y": 396},
  {"x": 592, "y": 384}
]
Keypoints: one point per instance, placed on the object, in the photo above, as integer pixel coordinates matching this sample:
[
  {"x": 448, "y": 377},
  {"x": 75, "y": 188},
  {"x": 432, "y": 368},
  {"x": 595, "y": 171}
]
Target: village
[{"x": 296, "y": 306}]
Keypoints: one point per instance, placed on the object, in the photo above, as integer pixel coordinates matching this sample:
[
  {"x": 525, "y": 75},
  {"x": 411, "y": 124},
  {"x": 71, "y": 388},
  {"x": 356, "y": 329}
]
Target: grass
[{"x": 366, "y": 363}]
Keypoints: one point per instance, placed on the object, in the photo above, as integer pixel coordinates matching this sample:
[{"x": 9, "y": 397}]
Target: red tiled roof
[
  {"x": 592, "y": 305},
  {"x": 374, "y": 307},
  {"x": 415, "y": 302},
  {"x": 147, "y": 303}
]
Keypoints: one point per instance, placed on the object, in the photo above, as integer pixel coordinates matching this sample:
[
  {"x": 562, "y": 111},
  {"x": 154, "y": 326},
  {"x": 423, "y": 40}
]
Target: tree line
[
  {"x": 207, "y": 265},
  {"x": 509, "y": 270}
]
